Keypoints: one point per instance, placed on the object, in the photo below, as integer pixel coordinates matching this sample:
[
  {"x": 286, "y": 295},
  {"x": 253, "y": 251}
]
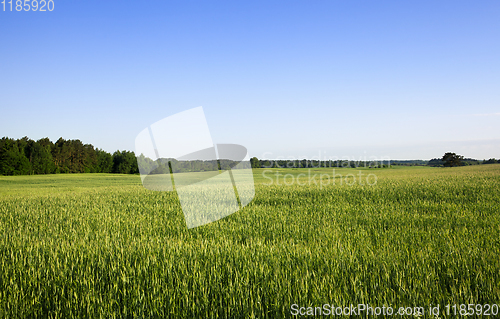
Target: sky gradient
[{"x": 286, "y": 79}]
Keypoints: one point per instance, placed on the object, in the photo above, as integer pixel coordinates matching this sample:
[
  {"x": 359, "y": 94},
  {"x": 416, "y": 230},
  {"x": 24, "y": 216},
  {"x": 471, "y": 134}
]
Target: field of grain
[{"x": 102, "y": 246}]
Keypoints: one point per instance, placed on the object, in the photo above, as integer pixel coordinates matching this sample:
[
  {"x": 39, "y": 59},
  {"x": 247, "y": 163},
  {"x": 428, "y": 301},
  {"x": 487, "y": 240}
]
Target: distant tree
[
  {"x": 470, "y": 161},
  {"x": 163, "y": 166},
  {"x": 27, "y": 145},
  {"x": 72, "y": 156},
  {"x": 490, "y": 161},
  {"x": 13, "y": 161},
  {"x": 435, "y": 162},
  {"x": 452, "y": 159},
  {"x": 254, "y": 162},
  {"x": 207, "y": 166},
  {"x": 146, "y": 165},
  {"x": 89, "y": 159},
  {"x": 125, "y": 163},
  {"x": 24, "y": 145},
  {"x": 304, "y": 163},
  {"x": 104, "y": 161},
  {"x": 61, "y": 153},
  {"x": 224, "y": 164},
  {"x": 41, "y": 158},
  {"x": 77, "y": 156}
]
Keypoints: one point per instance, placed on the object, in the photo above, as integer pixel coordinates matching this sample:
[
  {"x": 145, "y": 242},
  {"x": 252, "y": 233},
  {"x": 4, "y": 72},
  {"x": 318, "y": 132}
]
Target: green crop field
[{"x": 102, "y": 246}]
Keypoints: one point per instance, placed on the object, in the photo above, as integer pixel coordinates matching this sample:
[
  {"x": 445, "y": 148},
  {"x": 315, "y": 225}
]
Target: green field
[{"x": 102, "y": 246}]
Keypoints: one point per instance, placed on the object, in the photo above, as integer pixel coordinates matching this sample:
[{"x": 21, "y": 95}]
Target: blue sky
[{"x": 286, "y": 79}]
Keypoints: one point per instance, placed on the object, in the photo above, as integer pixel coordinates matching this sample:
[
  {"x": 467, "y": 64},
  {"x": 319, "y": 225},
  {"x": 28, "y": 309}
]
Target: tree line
[
  {"x": 450, "y": 159},
  {"x": 168, "y": 165},
  {"x": 25, "y": 156},
  {"x": 305, "y": 163}
]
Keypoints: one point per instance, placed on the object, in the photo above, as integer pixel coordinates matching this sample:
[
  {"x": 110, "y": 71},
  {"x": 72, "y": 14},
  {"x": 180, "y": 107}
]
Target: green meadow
[{"x": 102, "y": 246}]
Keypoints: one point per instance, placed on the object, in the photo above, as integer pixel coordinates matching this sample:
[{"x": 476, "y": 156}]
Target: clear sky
[{"x": 303, "y": 79}]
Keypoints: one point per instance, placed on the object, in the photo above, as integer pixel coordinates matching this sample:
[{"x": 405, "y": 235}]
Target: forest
[
  {"x": 28, "y": 157},
  {"x": 25, "y": 156}
]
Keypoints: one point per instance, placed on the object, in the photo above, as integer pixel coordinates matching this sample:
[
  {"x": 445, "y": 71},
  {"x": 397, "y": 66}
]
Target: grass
[{"x": 102, "y": 246}]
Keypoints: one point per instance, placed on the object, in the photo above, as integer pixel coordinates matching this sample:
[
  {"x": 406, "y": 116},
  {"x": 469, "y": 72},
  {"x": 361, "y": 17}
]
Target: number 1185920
[{"x": 28, "y": 5}]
